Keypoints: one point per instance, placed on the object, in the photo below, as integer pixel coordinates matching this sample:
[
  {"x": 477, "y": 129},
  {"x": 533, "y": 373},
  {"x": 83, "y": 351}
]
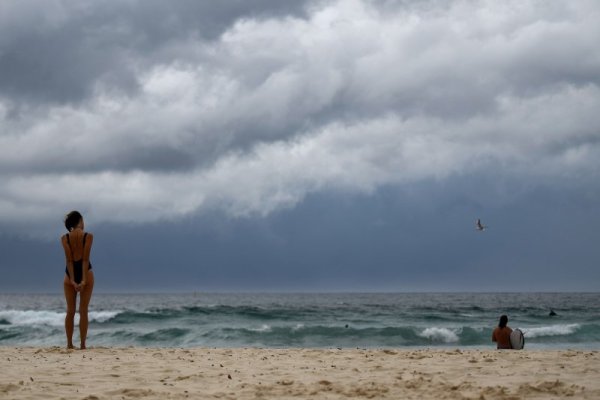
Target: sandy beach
[{"x": 161, "y": 373}]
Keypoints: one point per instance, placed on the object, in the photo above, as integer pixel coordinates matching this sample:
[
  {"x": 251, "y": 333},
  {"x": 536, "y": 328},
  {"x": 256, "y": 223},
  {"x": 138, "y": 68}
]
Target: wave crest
[
  {"x": 443, "y": 335},
  {"x": 49, "y": 318},
  {"x": 552, "y": 330}
]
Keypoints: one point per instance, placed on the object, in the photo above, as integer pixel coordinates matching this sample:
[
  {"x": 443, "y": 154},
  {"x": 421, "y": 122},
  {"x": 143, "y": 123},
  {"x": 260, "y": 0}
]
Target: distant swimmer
[
  {"x": 552, "y": 313},
  {"x": 479, "y": 226}
]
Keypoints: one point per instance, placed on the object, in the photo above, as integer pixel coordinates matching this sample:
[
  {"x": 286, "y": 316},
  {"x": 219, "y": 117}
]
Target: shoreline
[{"x": 279, "y": 373}]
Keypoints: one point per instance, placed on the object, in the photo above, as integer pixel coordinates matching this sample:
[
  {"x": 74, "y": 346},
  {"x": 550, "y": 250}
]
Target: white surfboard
[{"x": 517, "y": 340}]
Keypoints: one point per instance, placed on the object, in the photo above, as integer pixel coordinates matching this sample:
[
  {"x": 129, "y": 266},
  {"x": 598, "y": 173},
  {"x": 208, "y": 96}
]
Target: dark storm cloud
[
  {"x": 249, "y": 107},
  {"x": 413, "y": 238},
  {"x": 319, "y": 144},
  {"x": 56, "y": 51}
]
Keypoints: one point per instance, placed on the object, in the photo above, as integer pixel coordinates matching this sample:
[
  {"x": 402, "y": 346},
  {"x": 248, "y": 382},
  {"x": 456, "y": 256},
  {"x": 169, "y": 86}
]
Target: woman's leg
[
  {"x": 71, "y": 298},
  {"x": 84, "y": 302}
]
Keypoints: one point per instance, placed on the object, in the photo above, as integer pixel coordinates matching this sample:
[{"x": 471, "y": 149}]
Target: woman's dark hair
[
  {"x": 503, "y": 321},
  {"x": 72, "y": 219}
]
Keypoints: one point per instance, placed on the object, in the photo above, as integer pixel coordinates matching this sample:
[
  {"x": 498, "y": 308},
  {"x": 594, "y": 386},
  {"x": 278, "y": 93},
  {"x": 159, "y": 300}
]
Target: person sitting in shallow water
[{"x": 501, "y": 334}]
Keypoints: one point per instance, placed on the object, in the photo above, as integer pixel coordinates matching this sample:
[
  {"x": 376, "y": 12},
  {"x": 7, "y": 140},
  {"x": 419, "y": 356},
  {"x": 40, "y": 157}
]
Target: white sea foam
[
  {"x": 31, "y": 317},
  {"x": 552, "y": 330},
  {"x": 436, "y": 334},
  {"x": 297, "y": 327},
  {"x": 49, "y": 318},
  {"x": 102, "y": 316},
  {"x": 263, "y": 328}
]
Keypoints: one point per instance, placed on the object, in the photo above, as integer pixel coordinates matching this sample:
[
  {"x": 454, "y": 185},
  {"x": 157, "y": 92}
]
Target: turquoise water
[{"x": 308, "y": 320}]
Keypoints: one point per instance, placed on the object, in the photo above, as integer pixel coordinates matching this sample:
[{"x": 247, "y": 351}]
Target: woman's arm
[
  {"x": 86, "y": 257},
  {"x": 68, "y": 259}
]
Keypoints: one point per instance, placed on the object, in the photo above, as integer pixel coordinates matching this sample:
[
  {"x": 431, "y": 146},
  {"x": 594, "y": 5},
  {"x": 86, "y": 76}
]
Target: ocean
[{"x": 346, "y": 320}]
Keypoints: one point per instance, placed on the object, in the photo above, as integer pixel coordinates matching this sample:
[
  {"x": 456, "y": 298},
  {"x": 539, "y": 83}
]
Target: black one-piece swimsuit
[{"x": 77, "y": 265}]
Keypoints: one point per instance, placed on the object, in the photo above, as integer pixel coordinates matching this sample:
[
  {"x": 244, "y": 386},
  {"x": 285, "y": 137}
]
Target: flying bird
[{"x": 479, "y": 226}]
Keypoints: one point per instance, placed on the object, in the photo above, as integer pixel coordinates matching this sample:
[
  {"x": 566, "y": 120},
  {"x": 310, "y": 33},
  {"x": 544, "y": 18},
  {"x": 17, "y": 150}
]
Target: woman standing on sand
[
  {"x": 501, "y": 334},
  {"x": 79, "y": 277}
]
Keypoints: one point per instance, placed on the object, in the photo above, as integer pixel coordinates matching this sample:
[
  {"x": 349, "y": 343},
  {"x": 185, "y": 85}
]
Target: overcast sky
[{"x": 302, "y": 145}]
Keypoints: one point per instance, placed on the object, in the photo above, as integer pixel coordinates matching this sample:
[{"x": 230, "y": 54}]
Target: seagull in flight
[{"x": 479, "y": 226}]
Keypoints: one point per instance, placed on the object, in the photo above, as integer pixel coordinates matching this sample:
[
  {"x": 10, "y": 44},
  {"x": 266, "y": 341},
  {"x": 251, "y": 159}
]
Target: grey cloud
[
  {"x": 55, "y": 51},
  {"x": 250, "y": 107}
]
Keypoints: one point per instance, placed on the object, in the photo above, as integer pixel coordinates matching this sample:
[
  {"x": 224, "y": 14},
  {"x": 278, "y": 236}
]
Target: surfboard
[{"x": 517, "y": 340}]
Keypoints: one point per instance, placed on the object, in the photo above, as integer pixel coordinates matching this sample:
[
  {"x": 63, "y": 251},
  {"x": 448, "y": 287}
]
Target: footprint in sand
[
  {"x": 138, "y": 393},
  {"x": 7, "y": 388}
]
